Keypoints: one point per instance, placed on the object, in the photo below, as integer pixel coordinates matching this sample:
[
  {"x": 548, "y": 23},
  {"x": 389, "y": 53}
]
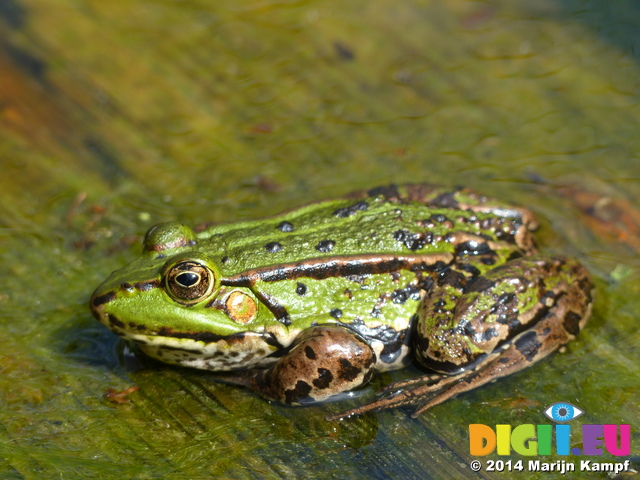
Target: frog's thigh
[
  {"x": 531, "y": 346},
  {"x": 324, "y": 361},
  {"x": 460, "y": 324},
  {"x": 565, "y": 314}
]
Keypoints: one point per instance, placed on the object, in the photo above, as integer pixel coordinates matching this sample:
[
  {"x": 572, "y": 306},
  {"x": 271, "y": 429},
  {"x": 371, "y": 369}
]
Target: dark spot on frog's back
[
  {"x": 409, "y": 292},
  {"x": 400, "y": 235},
  {"x": 438, "y": 218},
  {"x": 285, "y": 226},
  {"x": 273, "y": 247},
  {"x": 325, "y": 246},
  {"x": 399, "y": 296},
  {"x": 528, "y": 345},
  {"x": 351, "y": 210},
  {"x": 474, "y": 248},
  {"x": 413, "y": 241},
  {"x": 301, "y": 288},
  {"x": 300, "y": 392}
]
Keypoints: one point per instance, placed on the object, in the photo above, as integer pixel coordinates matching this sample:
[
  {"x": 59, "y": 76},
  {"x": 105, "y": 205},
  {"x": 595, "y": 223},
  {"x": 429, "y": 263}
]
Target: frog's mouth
[{"x": 203, "y": 350}]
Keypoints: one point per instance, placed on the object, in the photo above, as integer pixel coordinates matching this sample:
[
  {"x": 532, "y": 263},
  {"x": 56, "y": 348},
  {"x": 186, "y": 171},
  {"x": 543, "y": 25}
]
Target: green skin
[{"x": 311, "y": 303}]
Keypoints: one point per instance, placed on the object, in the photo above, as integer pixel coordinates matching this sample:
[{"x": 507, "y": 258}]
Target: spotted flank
[{"x": 311, "y": 303}]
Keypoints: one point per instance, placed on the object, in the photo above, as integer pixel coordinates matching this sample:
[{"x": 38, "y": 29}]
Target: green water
[{"x": 117, "y": 115}]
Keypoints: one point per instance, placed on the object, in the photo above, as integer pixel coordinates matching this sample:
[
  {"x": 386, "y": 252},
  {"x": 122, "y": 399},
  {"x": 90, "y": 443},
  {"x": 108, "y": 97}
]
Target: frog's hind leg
[
  {"x": 517, "y": 314},
  {"x": 535, "y": 344},
  {"x": 562, "y": 293},
  {"x": 522, "y": 352}
]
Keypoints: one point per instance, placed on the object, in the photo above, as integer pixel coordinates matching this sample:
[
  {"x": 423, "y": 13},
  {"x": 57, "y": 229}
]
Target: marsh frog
[{"x": 311, "y": 303}]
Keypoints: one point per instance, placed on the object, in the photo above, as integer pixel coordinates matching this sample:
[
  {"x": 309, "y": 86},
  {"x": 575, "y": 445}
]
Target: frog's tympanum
[{"x": 311, "y": 303}]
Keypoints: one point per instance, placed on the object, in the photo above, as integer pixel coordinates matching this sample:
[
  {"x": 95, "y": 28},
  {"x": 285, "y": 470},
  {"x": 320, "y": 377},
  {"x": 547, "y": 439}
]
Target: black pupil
[
  {"x": 188, "y": 279},
  {"x": 562, "y": 412}
]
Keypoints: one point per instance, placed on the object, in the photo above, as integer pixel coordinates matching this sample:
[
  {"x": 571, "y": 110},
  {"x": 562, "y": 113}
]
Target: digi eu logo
[
  {"x": 563, "y": 412},
  {"x": 528, "y": 439}
]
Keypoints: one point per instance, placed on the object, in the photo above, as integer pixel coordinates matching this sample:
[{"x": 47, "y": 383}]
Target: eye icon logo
[{"x": 563, "y": 412}]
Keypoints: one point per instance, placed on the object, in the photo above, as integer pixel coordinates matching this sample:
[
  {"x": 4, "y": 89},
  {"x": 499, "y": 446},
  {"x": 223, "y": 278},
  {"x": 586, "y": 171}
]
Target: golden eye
[{"x": 189, "y": 281}]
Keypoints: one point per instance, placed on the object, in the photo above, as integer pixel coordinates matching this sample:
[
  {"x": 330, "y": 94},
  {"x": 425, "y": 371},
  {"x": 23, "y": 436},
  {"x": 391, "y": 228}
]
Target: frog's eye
[{"x": 189, "y": 281}]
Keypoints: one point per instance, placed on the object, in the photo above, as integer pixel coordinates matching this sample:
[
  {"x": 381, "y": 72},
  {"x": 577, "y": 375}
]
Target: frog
[{"x": 308, "y": 305}]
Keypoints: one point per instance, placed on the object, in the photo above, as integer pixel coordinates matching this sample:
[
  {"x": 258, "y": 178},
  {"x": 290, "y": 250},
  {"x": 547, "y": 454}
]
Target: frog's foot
[{"x": 398, "y": 398}]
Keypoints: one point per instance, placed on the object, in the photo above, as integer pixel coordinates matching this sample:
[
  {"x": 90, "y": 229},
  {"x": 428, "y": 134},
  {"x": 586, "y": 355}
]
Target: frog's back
[{"x": 410, "y": 219}]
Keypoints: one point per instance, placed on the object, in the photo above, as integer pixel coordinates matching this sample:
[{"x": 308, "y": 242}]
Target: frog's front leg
[
  {"x": 324, "y": 360},
  {"x": 494, "y": 325}
]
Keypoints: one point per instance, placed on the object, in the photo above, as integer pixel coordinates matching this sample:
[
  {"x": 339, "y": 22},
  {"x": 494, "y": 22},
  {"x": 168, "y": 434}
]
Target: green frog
[{"x": 311, "y": 303}]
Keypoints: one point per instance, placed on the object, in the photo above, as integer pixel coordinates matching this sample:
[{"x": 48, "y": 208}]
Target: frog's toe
[{"x": 429, "y": 378}]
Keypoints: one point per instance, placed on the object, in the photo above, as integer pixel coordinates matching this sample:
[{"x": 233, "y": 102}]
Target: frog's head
[{"x": 171, "y": 302}]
